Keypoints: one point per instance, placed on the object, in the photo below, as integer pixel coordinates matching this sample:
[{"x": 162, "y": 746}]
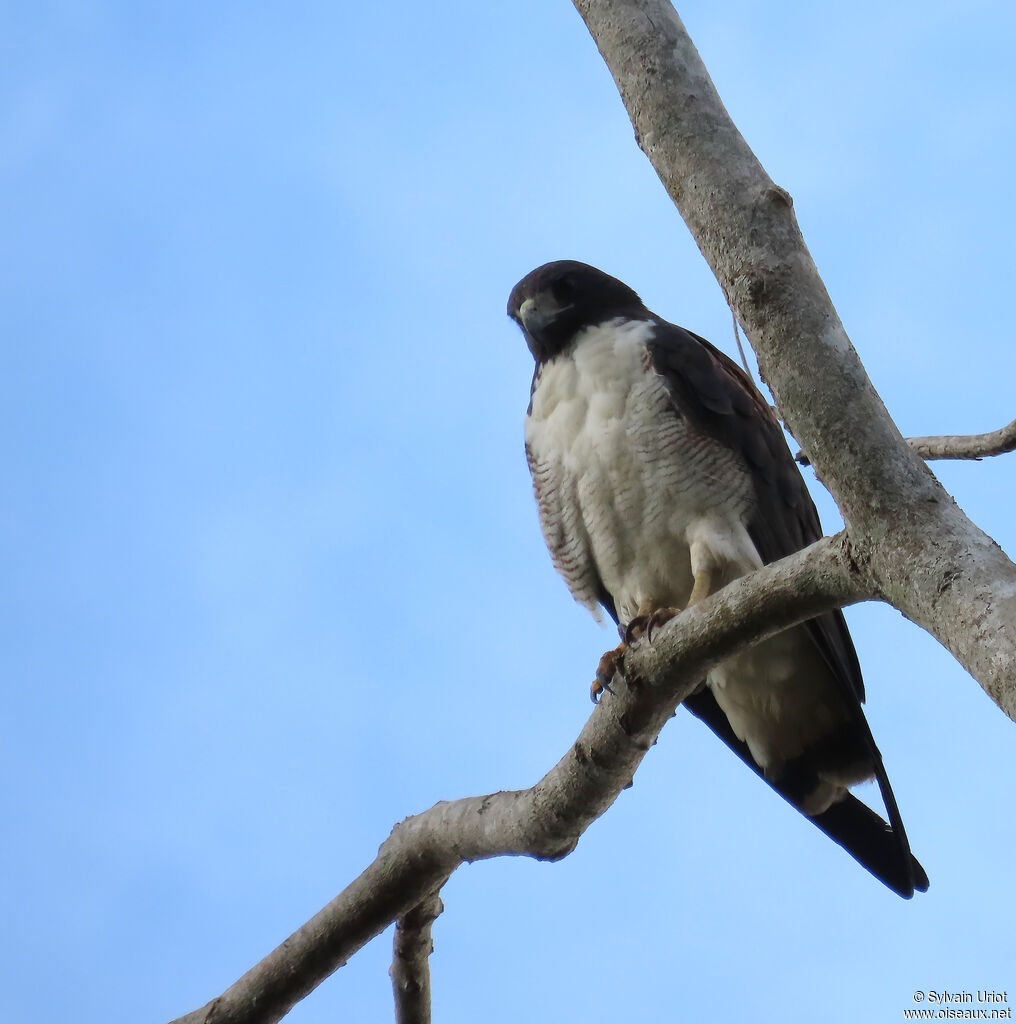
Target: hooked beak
[{"x": 535, "y": 315}]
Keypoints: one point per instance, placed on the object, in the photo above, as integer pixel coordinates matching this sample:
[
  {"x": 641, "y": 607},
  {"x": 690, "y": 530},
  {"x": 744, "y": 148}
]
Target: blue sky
[{"x": 272, "y": 577}]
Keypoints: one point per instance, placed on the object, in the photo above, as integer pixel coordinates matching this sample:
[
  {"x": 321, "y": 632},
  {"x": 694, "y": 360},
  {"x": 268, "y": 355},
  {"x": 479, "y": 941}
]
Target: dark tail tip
[{"x": 874, "y": 845}]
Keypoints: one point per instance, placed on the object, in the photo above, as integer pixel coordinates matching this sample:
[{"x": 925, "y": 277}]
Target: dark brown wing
[{"x": 719, "y": 399}]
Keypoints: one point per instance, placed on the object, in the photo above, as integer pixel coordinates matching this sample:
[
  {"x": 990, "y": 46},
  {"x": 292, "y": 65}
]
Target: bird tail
[{"x": 879, "y": 846}]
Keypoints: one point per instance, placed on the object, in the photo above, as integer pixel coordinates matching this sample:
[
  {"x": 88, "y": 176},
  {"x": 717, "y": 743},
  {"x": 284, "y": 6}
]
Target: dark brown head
[{"x": 554, "y": 302}]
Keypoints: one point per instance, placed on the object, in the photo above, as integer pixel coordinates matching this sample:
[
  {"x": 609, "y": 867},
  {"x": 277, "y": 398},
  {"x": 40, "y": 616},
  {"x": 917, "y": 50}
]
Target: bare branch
[
  {"x": 410, "y": 970},
  {"x": 546, "y": 820},
  {"x": 966, "y": 446},
  {"x": 956, "y": 446},
  {"x": 926, "y": 557}
]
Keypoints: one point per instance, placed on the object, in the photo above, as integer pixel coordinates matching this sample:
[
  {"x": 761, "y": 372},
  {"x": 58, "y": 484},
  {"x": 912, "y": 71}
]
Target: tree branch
[
  {"x": 955, "y": 446},
  {"x": 966, "y": 446},
  {"x": 546, "y": 820},
  {"x": 925, "y": 556},
  {"x": 410, "y": 970}
]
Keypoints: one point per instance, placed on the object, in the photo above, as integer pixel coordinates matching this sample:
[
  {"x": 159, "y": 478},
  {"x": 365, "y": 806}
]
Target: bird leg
[{"x": 701, "y": 588}]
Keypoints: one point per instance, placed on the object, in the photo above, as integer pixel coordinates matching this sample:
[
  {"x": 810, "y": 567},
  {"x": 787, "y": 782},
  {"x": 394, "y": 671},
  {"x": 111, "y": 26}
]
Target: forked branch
[
  {"x": 410, "y": 970},
  {"x": 546, "y": 820}
]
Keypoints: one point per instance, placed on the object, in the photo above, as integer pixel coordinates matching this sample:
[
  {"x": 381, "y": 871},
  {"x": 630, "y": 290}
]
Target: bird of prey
[{"x": 661, "y": 474}]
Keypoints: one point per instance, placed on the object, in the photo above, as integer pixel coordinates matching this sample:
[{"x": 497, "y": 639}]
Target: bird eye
[{"x": 563, "y": 289}]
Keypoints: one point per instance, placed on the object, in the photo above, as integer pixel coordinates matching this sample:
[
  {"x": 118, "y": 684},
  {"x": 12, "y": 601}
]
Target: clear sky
[{"x": 271, "y": 572}]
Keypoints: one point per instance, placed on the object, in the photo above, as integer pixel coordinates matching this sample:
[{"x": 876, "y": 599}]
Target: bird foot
[
  {"x": 610, "y": 666},
  {"x": 612, "y": 663},
  {"x": 636, "y": 628},
  {"x": 658, "y": 618}
]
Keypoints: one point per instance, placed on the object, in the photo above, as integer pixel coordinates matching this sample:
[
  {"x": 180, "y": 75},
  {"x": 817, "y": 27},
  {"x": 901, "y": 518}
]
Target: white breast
[{"x": 629, "y": 493}]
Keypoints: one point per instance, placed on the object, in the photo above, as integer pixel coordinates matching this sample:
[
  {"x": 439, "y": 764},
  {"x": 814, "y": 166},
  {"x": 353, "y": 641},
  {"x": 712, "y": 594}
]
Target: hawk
[{"x": 660, "y": 475}]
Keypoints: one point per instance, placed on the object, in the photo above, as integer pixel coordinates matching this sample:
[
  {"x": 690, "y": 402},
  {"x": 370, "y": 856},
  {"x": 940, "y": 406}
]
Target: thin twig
[
  {"x": 410, "y": 970},
  {"x": 740, "y": 347},
  {"x": 966, "y": 446}
]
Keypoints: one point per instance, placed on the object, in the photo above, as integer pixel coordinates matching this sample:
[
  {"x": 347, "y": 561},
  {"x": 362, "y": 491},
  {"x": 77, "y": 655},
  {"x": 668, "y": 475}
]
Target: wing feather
[{"x": 720, "y": 400}]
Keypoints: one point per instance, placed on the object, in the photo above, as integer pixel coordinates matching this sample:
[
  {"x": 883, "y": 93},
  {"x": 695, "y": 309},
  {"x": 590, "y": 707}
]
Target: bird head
[{"x": 553, "y": 303}]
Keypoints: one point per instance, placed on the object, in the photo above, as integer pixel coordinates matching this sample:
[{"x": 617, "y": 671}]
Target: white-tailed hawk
[{"x": 661, "y": 474}]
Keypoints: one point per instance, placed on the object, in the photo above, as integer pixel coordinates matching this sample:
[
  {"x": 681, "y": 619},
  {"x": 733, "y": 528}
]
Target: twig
[
  {"x": 410, "y": 970},
  {"x": 740, "y": 347},
  {"x": 957, "y": 446},
  {"x": 966, "y": 446}
]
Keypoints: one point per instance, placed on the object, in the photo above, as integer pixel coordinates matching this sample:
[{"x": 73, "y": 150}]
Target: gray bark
[
  {"x": 410, "y": 970},
  {"x": 966, "y": 446}
]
